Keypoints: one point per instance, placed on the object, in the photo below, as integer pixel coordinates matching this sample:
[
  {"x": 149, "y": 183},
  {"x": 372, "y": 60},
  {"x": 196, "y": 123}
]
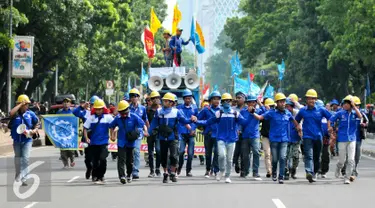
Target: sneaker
[
  {"x": 337, "y": 172},
  {"x": 173, "y": 178},
  {"x": 94, "y": 179},
  {"x": 88, "y": 173},
  {"x": 274, "y": 177},
  {"x": 151, "y": 175},
  {"x": 123, "y": 180},
  {"x": 66, "y": 167},
  {"x": 165, "y": 178},
  {"x": 100, "y": 182},
  {"x": 227, "y": 180},
  {"x": 129, "y": 179},
  {"x": 346, "y": 181},
  {"x": 237, "y": 169},
  {"x": 257, "y": 177},
  {"x": 315, "y": 178},
  {"x": 294, "y": 176},
  {"x": 352, "y": 178},
  {"x": 202, "y": 163},
  {"x": 157, "y": 172},
  {"x": 207, "y": 174},
  {"x": 189, "y": 174},
  {"x": 281, "y": 181},
  {"x": 323, "y": 175},
  {"x": 286, "y": 177},
  {"x": 135, "y": 177},
  {"x": 243, "y": 175},
  {"x": 72, "y": 164},
  {"x": 309, "y": 177},
  {"x": 219, "y": 176},
  {"x": 268, "y": 175}
]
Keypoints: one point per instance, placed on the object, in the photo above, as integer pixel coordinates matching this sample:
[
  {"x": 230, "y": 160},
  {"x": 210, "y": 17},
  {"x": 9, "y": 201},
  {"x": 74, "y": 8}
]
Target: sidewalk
[{"x": 368, "y": 146}]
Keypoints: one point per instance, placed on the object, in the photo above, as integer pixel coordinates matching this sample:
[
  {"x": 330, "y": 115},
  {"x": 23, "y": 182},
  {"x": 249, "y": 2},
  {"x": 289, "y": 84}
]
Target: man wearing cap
[
  {"x": 21, "y": 114},
  {"x": 96, "y": 132},
  {"x": 269, "y": 104},
  {"x": 187, "y": 132},
  {"x": 140, "y": 111},
  {"x": 166, "y": 49},
  {"x": 312, "y": 133},
  {"x": 241, "y": 98},
  {"x": 176, "y": 43},
  {"x": 66, "y": 155}
]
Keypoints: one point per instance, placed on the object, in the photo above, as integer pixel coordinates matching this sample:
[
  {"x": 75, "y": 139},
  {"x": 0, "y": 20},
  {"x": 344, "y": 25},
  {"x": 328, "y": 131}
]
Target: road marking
[
  {"x": 368, "y": 157},
  {"x": 31, "y": 205},
  {"x": 73, "y": 179},
  {"x": 278, "y": 203}
]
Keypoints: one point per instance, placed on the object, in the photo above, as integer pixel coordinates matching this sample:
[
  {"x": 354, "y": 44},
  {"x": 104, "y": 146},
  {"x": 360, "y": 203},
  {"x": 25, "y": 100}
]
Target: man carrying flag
[{"x": 176, "y": 45}]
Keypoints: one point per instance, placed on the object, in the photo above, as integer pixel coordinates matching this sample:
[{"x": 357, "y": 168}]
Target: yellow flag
[
  {"x": 177, "y": 16},
  {"x": 155, "y": 23}
]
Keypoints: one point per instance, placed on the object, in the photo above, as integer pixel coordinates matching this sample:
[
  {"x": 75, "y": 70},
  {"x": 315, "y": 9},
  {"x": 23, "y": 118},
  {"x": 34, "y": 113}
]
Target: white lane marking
[
  {"x": 31, "y": 205},
  {"x": 368, "y": 157},
  {"x": 73, "y": 179},
  {"x": 278, "y": 203}
]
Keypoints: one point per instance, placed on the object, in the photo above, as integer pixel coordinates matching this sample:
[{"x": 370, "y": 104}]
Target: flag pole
[{"x": 141, "y": 87}]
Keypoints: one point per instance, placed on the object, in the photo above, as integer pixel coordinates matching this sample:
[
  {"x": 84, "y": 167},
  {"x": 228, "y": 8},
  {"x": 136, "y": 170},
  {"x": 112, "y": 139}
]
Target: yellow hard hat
[
  {"x": 154, "y": 94},
  {"x": 167, "y": 32},
  {"x": 169, "y": 96},
  {"x": 280, "y": 96},
  {"x": 269, "y": 102},
  {"x": 122, "y": 105},
  {"x": 356, "y": 100},
  {"x": 348, "y": 98},
  {"x": 294, "y": 97},
  {"x": 23, "y": 98},
  {"x": 311, "y": 93},
  {"x": 226, "y": 96},
  {"x": 99, "y": 103},
  {"x": 134, "y": 91},
  {"x": 204, "y": 103}
]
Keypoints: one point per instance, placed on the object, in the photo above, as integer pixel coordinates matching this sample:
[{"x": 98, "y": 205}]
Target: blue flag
[
  {"x": 62, "y": 130},
  {"x": 240, "y": 85},
  {"x": 368, "y": 90},
  {"x": 129, "y": 86},
  {"x": 281, "y": 69},
  {"x": 269, "y": 92},
  {"x": 236, "y": 65},
  {"x": 144, "y": 78},
  {"x": 216, "y": 87},
  {"x": 196, "y": 36}
]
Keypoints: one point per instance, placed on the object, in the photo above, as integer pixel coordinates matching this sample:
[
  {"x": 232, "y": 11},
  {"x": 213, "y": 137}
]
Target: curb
[{"x": 369, "y": 153}]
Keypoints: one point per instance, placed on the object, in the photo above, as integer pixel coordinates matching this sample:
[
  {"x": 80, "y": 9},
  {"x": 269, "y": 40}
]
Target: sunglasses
[
  {"x": 155, "y": 98},
  {"x": 148, "y": 100}
]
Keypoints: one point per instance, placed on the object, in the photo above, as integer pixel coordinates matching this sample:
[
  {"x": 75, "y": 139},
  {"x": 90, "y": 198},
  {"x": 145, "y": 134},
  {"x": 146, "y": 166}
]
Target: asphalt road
[{"x": 70, "y": 189}]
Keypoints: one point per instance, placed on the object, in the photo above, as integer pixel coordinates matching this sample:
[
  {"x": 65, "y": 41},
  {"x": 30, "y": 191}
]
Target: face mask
[{"x": 226, "y": 105}]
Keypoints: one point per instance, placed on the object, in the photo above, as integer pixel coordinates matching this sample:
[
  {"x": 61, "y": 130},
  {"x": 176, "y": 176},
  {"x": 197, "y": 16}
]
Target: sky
[{"x": 168, "y": 20}]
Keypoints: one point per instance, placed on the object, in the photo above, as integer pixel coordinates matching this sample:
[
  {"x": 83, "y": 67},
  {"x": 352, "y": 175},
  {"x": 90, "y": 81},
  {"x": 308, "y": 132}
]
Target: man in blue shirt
[
  {"x": 139, "y": 110},
  {"x": 187, "y": 135},
  {"x": 127, "y": 123},
  {"x": 22, "y": 143},
  {"x": 280, "y": 119},
  {"x": 176, "y": 43},
  {"x": 210, "y": 133},
  {"x": 96, "y": 131},
  {"x": 346, "y": 136},
  {"x": 66, "y": 155},
  {"x": 312, "y": 133}
]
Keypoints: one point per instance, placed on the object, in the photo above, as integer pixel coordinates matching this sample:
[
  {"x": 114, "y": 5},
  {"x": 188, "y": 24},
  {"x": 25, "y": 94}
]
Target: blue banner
[
  {"x": 281, "y": 69},
  {"x": 236, "y": 65},
  {"x": 269, "y": 92},
  {"x": 144, "y": 77},
  {"x": 62, "y": 130}
]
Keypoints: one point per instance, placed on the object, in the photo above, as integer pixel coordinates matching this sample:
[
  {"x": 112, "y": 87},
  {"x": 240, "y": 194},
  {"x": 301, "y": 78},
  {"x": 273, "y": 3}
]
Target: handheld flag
[
  {"x": 269, "y": 92},
  {"x": 148, "y": 41},
  {"x": 177, "y": 17},
  {"x": 155, "y": 23},
  {"x": 129, "y": 85},
  {"x": 196, "y": 36},
  {"x": 281, "y": 69},
  {"x": 236, "y": 65},
  {"x": 144, "y": 77},
  {"x": 262, "y": 91},
  {"x": 62, "y": 130}
]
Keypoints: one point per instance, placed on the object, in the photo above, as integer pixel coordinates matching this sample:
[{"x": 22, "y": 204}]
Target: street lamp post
[{"x": 9, "y": 82}]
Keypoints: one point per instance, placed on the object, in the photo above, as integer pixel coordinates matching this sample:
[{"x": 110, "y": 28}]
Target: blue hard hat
[
  {"x": 334, "y": 102},
  {"x": 289, "y": 102},
  {"x": 251, "y": 97},
  {"x": 187, "y": 93},
  {"x": 319, "y": 104},
  {"x": 93, "y": 98},
  {"x": 214, "y": 94},
  {"x": 126, "y": 97}
]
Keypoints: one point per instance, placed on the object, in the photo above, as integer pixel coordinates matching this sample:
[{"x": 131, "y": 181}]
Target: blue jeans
[
  {"x": 190, "y": 141},
  {"x": 278, "y": 150},
  {"x": 137, "y": 155},
  {"x": 225, "y": 150},
  {"x": 246, "y": 146},
  {"x": 312, "y": 149},
  {"x": 21, "y": 159}
]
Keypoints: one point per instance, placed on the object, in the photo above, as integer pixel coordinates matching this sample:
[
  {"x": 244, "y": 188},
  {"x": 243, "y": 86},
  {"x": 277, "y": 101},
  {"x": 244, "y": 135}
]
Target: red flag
[
  {"x": 148, "y": 42},
  {"x": 175, "y": 60},
  {"x": 252, "y": 76},
  {"x": 205, "y": 88}
]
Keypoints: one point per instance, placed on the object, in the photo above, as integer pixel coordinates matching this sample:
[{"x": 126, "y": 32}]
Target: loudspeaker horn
[
  {"x": 155, "y": 83},
  {"x": 173, "y": 81},
  {"x": 191, "y": 81},
  {"x": 21, "y": 128}
]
